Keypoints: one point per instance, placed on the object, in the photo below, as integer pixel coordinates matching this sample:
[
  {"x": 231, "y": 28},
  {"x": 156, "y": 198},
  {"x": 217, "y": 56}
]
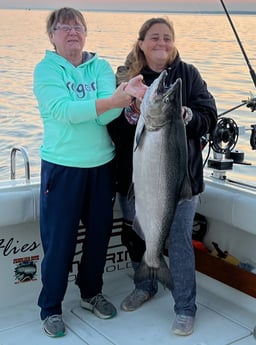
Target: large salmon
[{"x": 160, "y": 177}]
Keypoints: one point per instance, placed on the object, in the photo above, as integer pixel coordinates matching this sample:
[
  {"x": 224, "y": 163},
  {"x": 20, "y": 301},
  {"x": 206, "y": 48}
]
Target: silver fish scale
[{"x": 159, "y": 174}]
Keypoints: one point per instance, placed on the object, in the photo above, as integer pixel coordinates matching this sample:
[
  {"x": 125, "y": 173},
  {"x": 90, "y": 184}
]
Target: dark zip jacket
[{"x": 196, "y": 96}]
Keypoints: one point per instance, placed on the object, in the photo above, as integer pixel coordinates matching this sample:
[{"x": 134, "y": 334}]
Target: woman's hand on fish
[
  {"x": 123, "y": 95},
  {"x": 136, "y": 88},
  {"x": 120, "y": 97}
]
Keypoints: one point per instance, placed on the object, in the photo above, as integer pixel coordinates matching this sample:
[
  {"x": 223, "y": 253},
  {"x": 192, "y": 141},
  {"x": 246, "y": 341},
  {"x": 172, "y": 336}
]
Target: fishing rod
[
  {"x": 225, "y": 135},
  {"x": 252, "y": 73},
  {"x": 226, "y": 130},
  {"x": 251, "y": 102}
]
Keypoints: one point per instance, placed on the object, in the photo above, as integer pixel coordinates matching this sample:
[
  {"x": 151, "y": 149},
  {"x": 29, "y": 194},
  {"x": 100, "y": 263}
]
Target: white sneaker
[
  {"x": 183, "y": 324},
  {"x": 54, "y": 326}
]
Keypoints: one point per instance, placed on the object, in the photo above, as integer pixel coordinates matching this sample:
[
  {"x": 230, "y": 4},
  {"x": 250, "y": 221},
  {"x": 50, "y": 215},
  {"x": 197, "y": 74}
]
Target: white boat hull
[{"x": 225, "y": 314}]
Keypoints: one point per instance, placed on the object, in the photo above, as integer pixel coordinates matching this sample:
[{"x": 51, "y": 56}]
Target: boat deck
[
  {"x": 225, "y": 315},
  {"x": 218, "y": 321}
]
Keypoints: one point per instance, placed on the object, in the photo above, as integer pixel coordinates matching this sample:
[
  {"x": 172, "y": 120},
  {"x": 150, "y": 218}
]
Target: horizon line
[{"x": 138, "y": 10}]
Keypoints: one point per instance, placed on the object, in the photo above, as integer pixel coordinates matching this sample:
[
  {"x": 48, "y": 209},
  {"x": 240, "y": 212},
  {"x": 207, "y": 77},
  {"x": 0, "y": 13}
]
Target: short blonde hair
[{"x": 64, "y": 15}]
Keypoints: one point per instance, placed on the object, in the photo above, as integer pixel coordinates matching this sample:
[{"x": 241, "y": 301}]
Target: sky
[{"x": 159, "y": 5}]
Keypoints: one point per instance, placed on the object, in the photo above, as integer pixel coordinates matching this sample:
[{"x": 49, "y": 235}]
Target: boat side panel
[
  {"x": 19, "y": 205},
  {"x": 229, "y": 205}
]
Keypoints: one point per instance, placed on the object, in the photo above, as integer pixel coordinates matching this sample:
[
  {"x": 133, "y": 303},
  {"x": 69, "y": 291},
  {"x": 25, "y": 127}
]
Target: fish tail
[
  {"x": 164, "y": 275},
  {"x": 161, "y": 273}
]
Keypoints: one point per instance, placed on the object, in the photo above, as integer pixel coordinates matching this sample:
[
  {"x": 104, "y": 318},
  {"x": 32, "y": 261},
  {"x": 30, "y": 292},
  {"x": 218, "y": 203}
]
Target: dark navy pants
[{"x": 69, "y": 195}]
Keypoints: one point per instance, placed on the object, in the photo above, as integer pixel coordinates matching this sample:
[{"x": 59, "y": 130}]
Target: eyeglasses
[{"x": 67, "y": 28}]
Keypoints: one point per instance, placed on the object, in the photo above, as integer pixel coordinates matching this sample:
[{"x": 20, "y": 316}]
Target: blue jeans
[
  {"x": 182, "y": 259},
  {"x": 181, "y": 255},
  {"x": 127, "y": 207}
]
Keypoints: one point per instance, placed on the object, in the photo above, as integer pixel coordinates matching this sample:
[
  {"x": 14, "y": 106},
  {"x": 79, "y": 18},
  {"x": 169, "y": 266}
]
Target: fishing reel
[
  {"x": 225, "y": 135},
  {"x": 223, "y": 140},
  {"x": 251, "y": 103}
]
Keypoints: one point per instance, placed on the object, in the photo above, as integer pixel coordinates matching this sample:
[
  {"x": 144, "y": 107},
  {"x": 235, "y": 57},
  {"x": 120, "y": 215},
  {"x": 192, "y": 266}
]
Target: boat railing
[{"x": 26, "y": 163}]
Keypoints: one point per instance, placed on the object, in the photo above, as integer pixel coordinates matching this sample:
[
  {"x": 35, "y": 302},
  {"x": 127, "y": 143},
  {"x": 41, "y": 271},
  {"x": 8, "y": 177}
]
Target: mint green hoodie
[{"x": 73, "y": 133}]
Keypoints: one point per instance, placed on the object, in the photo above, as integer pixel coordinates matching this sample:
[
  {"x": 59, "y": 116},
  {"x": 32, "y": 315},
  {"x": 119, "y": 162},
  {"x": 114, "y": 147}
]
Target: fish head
[{"x": 161, "y": 103}]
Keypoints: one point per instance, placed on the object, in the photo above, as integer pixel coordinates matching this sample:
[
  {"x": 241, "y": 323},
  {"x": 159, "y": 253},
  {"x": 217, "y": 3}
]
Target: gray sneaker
[
  {"x": 136, "y": 298},
  {"x": 54, "y": 326},
  {"x": 99, "y": 306},
  {"x": 183, "y": 325}
]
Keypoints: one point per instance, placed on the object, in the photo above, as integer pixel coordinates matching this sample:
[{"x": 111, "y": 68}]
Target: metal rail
[{"x": 26, "y": 163}]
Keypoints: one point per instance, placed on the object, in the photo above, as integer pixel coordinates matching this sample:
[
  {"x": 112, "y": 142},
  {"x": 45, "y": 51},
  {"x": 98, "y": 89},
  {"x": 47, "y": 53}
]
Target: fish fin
[
  {"x": 139, "y": 131},
  {"x": 161, "y": 273},
  {"x": 164, "y": 275}
]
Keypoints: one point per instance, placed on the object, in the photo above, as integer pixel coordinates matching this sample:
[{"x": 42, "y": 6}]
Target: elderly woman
[{"x": 77, "y": 98}]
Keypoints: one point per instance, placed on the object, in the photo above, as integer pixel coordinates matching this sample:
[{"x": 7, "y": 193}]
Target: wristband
[{"x": 134, "y": 107}]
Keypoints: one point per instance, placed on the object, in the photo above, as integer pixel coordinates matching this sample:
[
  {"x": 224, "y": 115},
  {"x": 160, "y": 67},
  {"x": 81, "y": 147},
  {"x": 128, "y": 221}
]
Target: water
[{"x": 204, "y": 40}]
